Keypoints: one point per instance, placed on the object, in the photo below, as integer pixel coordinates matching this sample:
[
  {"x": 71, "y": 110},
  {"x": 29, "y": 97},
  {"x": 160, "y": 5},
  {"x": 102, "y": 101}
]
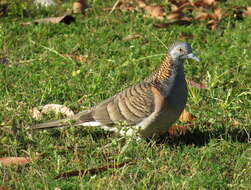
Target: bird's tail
[{"x": 76, "y": 120}]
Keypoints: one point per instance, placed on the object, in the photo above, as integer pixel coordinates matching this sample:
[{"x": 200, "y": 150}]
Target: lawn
[{"x": 38, "y": 66}]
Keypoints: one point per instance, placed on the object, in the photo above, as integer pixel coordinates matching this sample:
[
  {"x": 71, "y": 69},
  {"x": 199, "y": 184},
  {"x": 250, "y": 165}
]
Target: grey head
[{"x": 181, "y": 51}]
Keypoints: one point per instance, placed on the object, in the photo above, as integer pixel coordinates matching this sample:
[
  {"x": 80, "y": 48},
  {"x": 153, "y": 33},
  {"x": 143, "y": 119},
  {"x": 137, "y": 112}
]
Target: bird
[{"x": 147, "y": 108}]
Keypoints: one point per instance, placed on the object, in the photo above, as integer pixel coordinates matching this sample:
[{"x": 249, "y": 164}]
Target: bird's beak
[{"x": 192, "y": 56}]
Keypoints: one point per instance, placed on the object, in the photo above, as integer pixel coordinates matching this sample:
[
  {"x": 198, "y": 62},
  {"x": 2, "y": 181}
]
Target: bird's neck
[{"x": 167, "y": 70}]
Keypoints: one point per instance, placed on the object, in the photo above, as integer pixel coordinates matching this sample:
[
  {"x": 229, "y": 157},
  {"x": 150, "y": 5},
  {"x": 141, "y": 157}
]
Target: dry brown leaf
[
  {"x": 92, "y": 171},
  {"x": 132, "y": 36},
  {"x": 213, "y": 24},
  {"x": 196, "y": 85},
  {"x": 178, "y": 3},
  {"x": 181, "y": 7},
  {"x": 3, "y": 188},
  {"x": 57, "y": 108},
  {"x": 67, "y": 19},
  {"x": 217, "y": 14},
  {"x": 7, "y": 161},
  {"x": 213, "y": 18},
  {"x": 79, "y": 6},
  {"x": 248, "y": 11},
  {"x": 186, "y": 116},
  {"x": 235, "y": 123},
  {"x": 206, "y": 16},
  {"x": 154, "y": 11},
  {"x": 177, "y": 130},
  {"x": 177, "y": 9},
  {"x": 175, "y": 15},
  {"x": 126, "y": 5},
  {"x": 209, "y": 2},
  {"x": 202, "y": 16},
  {"x": 141, "y": 3},
  {"x": 36, "y": 113},
  {"x": 204, "y": 3}
]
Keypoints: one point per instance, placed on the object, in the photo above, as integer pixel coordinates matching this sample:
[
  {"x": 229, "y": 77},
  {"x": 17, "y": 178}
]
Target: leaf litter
[{"x": 37, "y": 112}]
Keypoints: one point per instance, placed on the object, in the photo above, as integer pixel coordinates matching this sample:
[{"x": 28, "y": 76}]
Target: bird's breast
[{"x": 175, "y": 101}]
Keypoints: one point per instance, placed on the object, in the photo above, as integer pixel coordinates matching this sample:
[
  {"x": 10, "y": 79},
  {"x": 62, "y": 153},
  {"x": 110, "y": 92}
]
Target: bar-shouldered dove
[{"x": 150, "y": 106}]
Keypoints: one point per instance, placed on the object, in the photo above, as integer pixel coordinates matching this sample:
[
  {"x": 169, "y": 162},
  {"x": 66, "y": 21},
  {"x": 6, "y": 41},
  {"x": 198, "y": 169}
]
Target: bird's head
[{"x": 181, "y": 51}]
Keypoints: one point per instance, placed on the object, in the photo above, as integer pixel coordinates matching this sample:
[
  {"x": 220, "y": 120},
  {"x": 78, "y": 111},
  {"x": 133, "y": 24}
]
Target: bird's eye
[{"x": 181, "y": 50}]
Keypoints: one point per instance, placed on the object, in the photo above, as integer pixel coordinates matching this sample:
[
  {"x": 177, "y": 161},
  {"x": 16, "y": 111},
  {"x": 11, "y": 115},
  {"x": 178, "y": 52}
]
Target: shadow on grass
[
  {"x": 197, "y": 137},
  {"x": 194, "y": 137}
]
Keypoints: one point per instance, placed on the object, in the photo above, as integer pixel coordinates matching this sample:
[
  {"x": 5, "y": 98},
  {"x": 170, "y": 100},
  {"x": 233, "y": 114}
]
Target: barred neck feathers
[{"x": 165, "y": 71}]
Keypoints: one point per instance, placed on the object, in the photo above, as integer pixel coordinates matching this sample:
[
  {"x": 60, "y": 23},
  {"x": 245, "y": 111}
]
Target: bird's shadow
[
  {"x": 195, "y": 137},
  {"x": 199, "y": 138}
]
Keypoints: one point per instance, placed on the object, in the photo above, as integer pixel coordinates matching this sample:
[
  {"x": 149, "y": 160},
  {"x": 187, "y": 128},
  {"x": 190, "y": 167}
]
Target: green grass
[{"x": 214, "y": 155}]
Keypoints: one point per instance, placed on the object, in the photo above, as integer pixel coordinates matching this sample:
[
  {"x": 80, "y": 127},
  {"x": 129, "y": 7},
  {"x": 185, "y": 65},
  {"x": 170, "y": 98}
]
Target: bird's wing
[{"x": 130, "y": 106}]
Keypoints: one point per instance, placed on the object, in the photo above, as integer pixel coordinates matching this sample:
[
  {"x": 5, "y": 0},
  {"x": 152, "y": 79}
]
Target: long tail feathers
[{"x": 76, "y": 120}]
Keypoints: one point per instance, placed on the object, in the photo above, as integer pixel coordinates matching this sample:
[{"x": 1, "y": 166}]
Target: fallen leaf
[
  {"x": 7, "y": 161},
  {"x": 177, "y": 130},
  {"x": 217, "y": 14},
  {"x": 180, "y": 7},
  {"x": 141, "y": 3},
  {"x": 177, "y": 10},
  {"x": 248, "y": 11},
  {"x": 154, "y": 11},
  {"x": 125, "y": 5},
  {"x": 178, "y": 3},
  {"x": 175, "y": 15},
  {"x": 214, "y": 17},
  {"x": 36, "y": 113},
  {"x": 209, "y": 2},
  {"x": 3, "y": 188},
  {"x": 196, "y": 85},
  {"x": 67, "y": 19},
  {"x": 235, "y": 123},
  {"x": 204, "y": 3},
  {"x": 202, "y": 16},
  {"x": 79, "y": 6},
  {"x": 92, "y": 171},
  {"x": 186, "y": 116},
  {"x": 132, "y": 36},
  {"x": 213, "y": 24},
  {"x": 58, "y": 109}
]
